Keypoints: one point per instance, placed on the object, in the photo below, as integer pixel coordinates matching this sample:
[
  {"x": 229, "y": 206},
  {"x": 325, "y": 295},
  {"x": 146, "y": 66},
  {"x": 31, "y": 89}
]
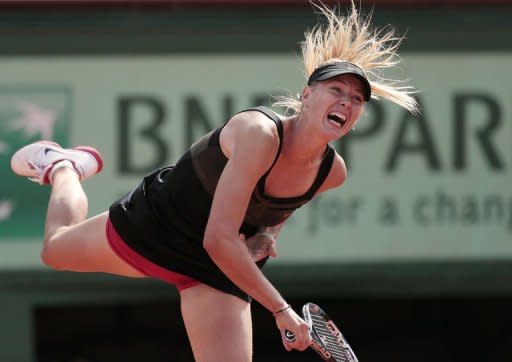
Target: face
[{"x": 337, "y": 103}]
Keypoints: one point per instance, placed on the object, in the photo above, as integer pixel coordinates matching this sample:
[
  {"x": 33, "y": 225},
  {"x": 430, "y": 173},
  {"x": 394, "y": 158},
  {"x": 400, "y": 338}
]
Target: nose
[{"x": 344, "y": 100}]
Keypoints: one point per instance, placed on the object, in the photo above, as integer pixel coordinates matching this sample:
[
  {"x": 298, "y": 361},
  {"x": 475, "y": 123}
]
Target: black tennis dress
[{"x": 164, "y": 218}]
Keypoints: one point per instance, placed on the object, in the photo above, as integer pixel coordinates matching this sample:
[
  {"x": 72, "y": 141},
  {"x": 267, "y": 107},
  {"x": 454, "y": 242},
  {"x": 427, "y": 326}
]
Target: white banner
[{"x": 433, "y": 187}]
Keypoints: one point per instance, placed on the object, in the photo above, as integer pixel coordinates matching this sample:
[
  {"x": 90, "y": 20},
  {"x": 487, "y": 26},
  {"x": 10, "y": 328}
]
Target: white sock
[{"x": 59, "y": 165}]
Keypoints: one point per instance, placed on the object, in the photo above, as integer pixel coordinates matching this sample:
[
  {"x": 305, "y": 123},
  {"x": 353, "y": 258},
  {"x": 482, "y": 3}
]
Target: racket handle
[{"x": 289, "y": 336}]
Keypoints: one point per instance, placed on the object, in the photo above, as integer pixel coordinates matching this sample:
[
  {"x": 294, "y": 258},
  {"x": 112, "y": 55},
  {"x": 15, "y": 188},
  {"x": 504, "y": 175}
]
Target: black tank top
[{"x": 165, "y": 217}]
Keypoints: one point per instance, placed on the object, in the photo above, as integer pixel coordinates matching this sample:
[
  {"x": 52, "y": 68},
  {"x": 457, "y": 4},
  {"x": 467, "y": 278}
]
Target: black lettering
[
  {"x": 419, "y": 211},
  {"x": 353, "y": 206},
  {"x": 469, "y": 212},
  {"x": 227, "y": 107},
  {"x": 148, "y": 132},
  {"x": 494, "y": 208},
  {"x": 424, "y": 144},
  {"x": 197, "y": 120},
  {"x": 389, "y": 211},
  {"x": 262, "y": 99},
  {"x": 483, "y": 135},
  {"x": 446, "y": 209},
  {"x": 313, "y": 216},
  {"x": 331, "y": 211},
  {"x": 509, "y": 224}
]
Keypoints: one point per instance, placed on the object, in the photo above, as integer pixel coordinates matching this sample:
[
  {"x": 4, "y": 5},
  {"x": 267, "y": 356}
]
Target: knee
[
  {"x": 49, "y": 256},
  {"x": 48, "y": 260}
]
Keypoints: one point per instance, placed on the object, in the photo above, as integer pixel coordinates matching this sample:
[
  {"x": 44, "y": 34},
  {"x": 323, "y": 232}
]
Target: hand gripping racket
[{"x": 328, "y": 341}]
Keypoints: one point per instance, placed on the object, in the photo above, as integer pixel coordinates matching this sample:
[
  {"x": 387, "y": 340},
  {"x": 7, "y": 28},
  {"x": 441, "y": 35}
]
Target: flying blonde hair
[{"x": 351, "y": 39}]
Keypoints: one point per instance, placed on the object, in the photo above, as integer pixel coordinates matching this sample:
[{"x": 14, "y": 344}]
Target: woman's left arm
[{"x": 264, "y": 242}]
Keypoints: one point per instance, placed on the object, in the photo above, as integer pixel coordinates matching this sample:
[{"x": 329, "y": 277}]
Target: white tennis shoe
[{"x": 37, "y": 160}]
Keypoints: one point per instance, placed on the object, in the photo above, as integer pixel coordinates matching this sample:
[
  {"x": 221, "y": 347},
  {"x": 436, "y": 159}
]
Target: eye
[{"x": 357, "y": 99}]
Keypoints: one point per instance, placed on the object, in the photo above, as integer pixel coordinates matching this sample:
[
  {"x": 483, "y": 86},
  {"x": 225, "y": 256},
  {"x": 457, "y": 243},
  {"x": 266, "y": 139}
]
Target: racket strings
[{"x": 336, "y": 346}]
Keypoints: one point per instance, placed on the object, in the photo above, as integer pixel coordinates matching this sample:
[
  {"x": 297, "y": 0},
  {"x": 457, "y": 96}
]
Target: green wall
[{"x": 146, "y": 30}]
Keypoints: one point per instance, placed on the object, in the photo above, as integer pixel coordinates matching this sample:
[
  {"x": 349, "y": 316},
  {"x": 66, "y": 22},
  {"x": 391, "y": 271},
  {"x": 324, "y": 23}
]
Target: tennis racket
[{"x": 328, "y": 341}]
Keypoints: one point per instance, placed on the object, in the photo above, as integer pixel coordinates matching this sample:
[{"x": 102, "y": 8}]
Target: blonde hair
[{"x": 351, "y": 39}]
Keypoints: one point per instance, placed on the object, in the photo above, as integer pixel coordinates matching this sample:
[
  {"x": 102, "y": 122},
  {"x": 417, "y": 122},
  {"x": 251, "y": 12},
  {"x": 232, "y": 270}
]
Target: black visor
[{"x": 331, "y": 70}]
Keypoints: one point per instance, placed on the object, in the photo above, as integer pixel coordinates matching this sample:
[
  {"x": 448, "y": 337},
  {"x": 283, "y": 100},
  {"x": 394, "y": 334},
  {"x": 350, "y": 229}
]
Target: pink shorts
[{"x": 143, "y": 265}]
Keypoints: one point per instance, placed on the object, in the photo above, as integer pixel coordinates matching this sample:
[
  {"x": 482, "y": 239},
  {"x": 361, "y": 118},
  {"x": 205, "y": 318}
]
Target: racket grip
[{"x": 289, "y": 336}]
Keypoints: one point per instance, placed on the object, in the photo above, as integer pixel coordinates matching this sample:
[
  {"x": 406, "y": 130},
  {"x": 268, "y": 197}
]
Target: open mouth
[{"x": 337, "y": 118}]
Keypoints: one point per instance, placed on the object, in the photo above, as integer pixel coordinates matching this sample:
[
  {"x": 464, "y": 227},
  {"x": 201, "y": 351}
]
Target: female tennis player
[{"x": 208, "y": 223}]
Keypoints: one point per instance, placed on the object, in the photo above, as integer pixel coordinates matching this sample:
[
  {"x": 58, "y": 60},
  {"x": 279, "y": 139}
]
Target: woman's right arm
[{"x": 253, "y": 144}]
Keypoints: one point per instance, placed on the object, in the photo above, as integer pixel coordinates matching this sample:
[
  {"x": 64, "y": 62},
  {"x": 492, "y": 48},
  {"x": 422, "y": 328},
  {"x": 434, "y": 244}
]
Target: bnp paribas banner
[{"x": 431, "y": 187}]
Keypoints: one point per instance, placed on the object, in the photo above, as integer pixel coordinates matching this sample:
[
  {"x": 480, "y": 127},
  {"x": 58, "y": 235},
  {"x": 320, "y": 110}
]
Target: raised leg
[{"x": 71, "y": 242}]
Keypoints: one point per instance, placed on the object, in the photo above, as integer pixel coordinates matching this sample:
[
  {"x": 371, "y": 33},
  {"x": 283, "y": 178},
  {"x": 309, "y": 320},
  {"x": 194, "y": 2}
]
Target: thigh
[
  {"x": 218, "y": 324},
  {"x": 84, "y": 247}
]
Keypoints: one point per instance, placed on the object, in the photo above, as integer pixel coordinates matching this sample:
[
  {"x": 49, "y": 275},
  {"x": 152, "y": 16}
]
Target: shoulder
[
  {"x": 252, "y": 120},
  {"x": 337, "y": 174},
  {"x": 249, "y": 127}
]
